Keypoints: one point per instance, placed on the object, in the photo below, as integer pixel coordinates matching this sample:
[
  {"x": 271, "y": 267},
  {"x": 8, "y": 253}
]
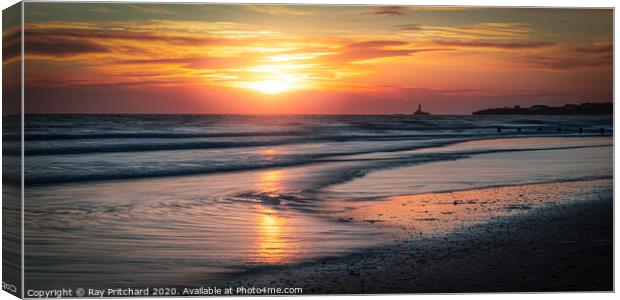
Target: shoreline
[
  {"x": 555, "y": 247},
  {"x": 498, "y": 186}
]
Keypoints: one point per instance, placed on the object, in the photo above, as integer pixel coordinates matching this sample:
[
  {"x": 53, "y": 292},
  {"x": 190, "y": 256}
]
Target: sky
[{"x": 291, "y": 59}]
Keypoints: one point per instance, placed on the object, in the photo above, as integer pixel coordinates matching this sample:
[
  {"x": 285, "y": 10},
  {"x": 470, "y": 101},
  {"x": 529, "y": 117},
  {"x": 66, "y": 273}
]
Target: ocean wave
[
  {"x": 105, "y": 145},
  {"x": 146, "y": 135},
  {"x": 84, "y": 134},
  {"x": 89, "y": 146},
  {"x": 41, "y": 171},
  {"x": 362, "y": 166}
]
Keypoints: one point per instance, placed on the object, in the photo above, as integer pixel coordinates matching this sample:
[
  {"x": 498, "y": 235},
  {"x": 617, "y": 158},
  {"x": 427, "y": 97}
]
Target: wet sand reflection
[
  {"x": 272, "y": 246},
  {"x": 419, "y": 215}
]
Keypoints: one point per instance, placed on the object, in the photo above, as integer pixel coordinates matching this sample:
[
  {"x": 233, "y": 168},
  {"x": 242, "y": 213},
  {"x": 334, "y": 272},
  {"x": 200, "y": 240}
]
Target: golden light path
[{"x": 273, "y": 247}]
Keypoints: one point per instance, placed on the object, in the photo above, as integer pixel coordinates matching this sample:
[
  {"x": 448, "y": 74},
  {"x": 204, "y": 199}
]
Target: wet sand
[{"x": 563, "y": 243}]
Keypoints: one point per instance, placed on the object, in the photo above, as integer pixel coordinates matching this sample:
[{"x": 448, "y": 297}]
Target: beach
[
  {"x": 562, "y": 247},
  {"x": 396, "y": 203}
]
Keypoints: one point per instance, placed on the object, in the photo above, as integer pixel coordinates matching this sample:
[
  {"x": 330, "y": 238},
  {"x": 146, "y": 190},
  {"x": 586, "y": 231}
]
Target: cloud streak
[
  {"x": 392, "y": 11},
  {"x": 494, "y": 45}
]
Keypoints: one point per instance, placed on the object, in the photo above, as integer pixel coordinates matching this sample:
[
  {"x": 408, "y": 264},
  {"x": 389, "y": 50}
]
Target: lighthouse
[{"x": 420, "y": 111}]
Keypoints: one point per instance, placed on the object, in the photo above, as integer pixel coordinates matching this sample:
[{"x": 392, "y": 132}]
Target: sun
[
  {"x": 277, "y": 78},
  {"x": 270, "y": 86}
]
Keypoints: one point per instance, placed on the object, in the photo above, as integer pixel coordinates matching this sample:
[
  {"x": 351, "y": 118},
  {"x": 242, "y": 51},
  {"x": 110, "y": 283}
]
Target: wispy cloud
[
  {"x": 409, "y": 27},
  {"x": 373, "y": 44},
  {"x": 596, "y": 48},
  {"x": 494, "y": 45},
  {"x": 495, "y": 30},
  {"x": 388, "y": 11},
  {"x": 151, "y": 9},
  {"x": 279, "y": 10},
  {"x": 565, "y": 63}
]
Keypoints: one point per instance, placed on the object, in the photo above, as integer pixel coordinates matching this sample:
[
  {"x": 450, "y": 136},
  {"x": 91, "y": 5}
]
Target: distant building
[
  {"x": 420, "y": 111},
  {"x": 539, "y": 107},
  {"x": 568, "y": 109}
]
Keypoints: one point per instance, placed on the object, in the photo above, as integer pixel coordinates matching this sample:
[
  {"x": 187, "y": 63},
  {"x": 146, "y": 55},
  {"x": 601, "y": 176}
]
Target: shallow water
[
  {"x": 437, "y": 213},
  {"x": 550, "y": 159},
  {"x": 157, "y": 205}
]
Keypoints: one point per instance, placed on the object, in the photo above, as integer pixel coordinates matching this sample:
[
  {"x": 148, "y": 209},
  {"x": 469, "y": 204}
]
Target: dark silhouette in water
[
  {"x": 420, "y": 112},
  {"x": 568, "y": 109}
]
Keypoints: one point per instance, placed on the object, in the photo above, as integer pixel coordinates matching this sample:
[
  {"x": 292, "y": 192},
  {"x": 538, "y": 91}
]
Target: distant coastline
[{"x": 568, "y": 109}]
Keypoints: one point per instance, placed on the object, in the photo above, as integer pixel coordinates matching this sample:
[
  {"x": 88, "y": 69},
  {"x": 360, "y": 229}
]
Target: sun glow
[
  {"x": 269, "y": 86},
  {"x": 277, "y": 78}
]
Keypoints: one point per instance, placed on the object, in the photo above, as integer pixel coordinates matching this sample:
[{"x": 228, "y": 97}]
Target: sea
[{"x": 184, "y": 200}]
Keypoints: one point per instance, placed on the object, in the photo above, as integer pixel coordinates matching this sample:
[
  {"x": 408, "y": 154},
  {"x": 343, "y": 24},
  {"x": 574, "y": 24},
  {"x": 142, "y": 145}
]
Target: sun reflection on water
[
  {"x": 270, "y": 182},
  {"x": 268, "y": 152},
  {"x": 272, "y": 245},
  {"x": 274, "y": 229}
]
